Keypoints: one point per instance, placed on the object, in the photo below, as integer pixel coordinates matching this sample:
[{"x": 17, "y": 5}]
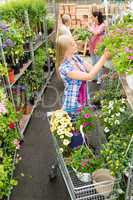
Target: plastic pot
[
  {"x": 27, "y": 109},
  {"x": 16, "y": 68},
  {"x": 76, "y": 140},
  {"x": 11, "y": 76}
]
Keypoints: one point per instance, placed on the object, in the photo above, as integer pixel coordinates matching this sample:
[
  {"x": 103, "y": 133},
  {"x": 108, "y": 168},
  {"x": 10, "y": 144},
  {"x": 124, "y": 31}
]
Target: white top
[{"x": 64, "y": 30}]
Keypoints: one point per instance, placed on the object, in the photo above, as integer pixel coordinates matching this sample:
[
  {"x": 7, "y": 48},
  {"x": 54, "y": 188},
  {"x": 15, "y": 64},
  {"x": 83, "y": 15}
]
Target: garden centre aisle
[{"x": 37, "y": 156}]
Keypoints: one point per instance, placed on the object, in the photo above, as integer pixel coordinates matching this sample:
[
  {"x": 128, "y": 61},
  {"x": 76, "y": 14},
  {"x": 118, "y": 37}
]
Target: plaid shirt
[{"x": 71, "y": 91}]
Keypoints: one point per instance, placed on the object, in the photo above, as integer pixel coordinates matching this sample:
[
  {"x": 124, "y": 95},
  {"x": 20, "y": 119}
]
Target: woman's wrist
[{"x": 103, "y": 58}]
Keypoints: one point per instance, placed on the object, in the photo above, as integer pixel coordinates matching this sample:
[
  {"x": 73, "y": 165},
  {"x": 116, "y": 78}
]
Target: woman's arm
[
  {"x": 88, "y": 66},
  {"x": 78, "y": 75}
]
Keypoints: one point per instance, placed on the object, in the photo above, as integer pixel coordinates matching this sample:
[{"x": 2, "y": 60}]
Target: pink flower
[
  {"x": 85, "y": 124},
  {"x": 87, "y": 115},
  {"x": 83, "y": 164},
  {"x": 127, "y": 50},
  {"x": 130, "y": 57},
  {"x": 2, "y": 109}
]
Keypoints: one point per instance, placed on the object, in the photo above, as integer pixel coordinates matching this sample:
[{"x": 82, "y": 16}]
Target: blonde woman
[{"x": 75, "y": 72}]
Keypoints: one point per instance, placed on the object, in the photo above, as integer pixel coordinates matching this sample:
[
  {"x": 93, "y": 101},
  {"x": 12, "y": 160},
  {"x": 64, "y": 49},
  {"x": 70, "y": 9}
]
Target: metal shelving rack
[
  {"x": 25, "y": 67},
  {"x": 9, "y": 86}
]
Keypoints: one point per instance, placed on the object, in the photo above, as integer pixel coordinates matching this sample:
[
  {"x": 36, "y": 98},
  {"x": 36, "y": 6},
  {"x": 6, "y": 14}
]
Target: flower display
[
  {"x": 61, "y": 127},
  {"x": 84, "y": 161},
  {"x": 119, "y": 41},
  {"x": 86, "y": 119},
  {"x": 111, "y": 114}
]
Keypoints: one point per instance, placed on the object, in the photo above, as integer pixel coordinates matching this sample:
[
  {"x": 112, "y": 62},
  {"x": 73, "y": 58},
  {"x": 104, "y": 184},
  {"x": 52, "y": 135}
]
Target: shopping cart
[{"x": 77, "y": 189}]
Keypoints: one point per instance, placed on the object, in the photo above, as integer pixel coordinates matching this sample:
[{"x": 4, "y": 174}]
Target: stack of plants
[
  {"x": 34, "y": 79},
  {"x": 9, "y": 143},
  {"x": 14, "y": 10}
]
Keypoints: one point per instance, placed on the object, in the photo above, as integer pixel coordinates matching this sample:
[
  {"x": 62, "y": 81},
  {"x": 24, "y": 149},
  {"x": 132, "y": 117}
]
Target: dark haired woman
[{"x": 98, "y": 31}]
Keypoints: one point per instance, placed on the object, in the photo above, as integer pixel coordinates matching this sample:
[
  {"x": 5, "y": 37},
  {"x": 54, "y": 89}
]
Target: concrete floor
[{"x": 38, "y": 155}]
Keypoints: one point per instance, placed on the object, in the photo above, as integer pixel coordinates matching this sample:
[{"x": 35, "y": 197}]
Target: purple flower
[
  {"x": 87, "y": 115},
  {"x": 127, "y": 50},
  {"x": 4, "y": 46},
  {"x": 3, "y": 26},
  {"x": 130, "y": 57},
  {"x": 119, "y": 30},
  {"x": 9, "y": 42}
]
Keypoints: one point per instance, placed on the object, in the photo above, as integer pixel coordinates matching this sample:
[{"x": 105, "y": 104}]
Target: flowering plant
[
  {"x": 9, "y": 142},
  {"x": 61, "y": 127},
  {"x": 86, "y": 119},
  {"x": 83, "y": 160},
  {"x": 119, "y": 42},
  {"x": 111, "y": 113}
]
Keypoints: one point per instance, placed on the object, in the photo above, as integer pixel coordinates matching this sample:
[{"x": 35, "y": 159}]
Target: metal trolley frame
[{"x": 79, "y": 190}]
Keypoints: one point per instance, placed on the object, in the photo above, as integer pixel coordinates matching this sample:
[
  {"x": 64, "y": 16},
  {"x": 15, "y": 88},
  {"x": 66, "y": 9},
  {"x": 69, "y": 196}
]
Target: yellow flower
[
  {"x": 62, "y": 137},
  {"x": 68, "y": 134}
]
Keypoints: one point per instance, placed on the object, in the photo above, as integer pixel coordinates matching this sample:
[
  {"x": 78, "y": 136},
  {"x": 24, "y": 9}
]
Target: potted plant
[
  {"x": 50, "y": 24},
  {"x": 84, "y": 163},
  {"x": 119, "y": 42},
  {"x": 86, "y": 119},
  {"x": 61, "y": 127}
]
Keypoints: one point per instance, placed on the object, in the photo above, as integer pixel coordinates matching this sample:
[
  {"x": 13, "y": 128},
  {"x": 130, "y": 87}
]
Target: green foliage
[
  {"x": 118, "y": 126},
  {"x": 14, "y": 9},
  {"x": 86, "y": 119},
  {"x": 8, "y": 134},
  {"x": 81, "y": 34},
  {"x": 50, "y": 23},
  {"x": 34, "y": 79},
  {"x": 119, "y": 41},
  {"x": 83, "y": 160},
  {"x": 3, "y": 70}
]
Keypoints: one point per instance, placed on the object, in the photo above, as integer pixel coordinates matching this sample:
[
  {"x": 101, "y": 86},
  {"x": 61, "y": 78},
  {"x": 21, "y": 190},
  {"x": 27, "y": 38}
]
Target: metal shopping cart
[{"x": 77, "y": 189}]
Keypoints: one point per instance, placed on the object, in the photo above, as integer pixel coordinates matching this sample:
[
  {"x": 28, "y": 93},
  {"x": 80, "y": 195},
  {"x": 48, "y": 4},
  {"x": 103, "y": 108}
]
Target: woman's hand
[{"x": 107, "y": 54}]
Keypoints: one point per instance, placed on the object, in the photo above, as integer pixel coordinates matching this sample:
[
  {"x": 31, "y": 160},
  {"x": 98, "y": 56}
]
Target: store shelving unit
[
  {"x": 26, "y": 118},
  {"x": 22, "y": 71},
  {"x": 23, "y": 123}
]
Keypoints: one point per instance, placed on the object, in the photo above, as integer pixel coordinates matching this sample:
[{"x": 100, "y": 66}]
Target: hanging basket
[
  {"x": 103, "y": 181},
  {"x": 129, "y": 79}
]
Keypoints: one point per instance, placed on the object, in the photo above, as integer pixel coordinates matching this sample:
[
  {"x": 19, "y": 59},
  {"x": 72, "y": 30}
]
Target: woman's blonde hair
[{"x": 62, "y": 44}]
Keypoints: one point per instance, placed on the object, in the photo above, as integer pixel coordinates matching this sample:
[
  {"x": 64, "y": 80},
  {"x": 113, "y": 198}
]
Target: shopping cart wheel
[{"x": 53, "y": 173}]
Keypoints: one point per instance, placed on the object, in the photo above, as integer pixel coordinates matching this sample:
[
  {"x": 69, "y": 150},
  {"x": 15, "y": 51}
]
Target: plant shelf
[
  {"x": 26, "y": 118},
  {"x": 128, "y": 91},
  {"x": 17, "y": 77}
]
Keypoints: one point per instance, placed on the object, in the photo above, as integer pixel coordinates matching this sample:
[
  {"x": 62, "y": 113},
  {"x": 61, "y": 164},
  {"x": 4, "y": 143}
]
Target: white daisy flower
[{"x": 106, "y": 130}]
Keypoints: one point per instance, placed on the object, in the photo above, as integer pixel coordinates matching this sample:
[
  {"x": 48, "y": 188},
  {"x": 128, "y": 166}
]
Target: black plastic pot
[
  {"x": 17, "y": 68},
  {"x": 26, "y": 57},
  {"x": 21, "y": 62},
  {"x": 27, "y": 45},
  {"x": 32, "y": 100}
]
